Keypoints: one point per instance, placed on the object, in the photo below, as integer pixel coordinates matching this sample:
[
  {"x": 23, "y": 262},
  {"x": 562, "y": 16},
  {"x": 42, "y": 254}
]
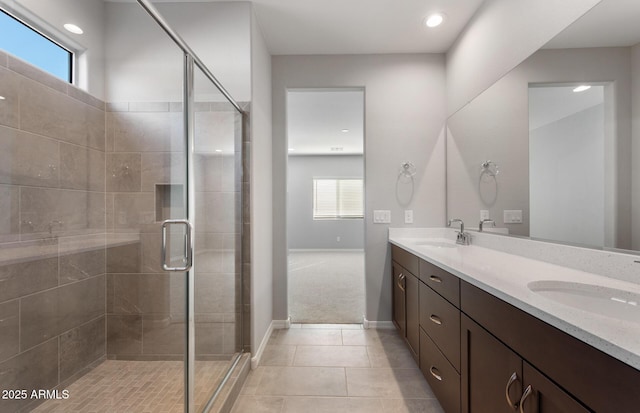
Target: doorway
[{"x": 325, "y": 205}]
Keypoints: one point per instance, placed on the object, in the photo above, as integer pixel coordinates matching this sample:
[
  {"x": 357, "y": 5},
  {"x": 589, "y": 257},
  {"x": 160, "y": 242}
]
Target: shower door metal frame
[{"x": 191, "y": 61}]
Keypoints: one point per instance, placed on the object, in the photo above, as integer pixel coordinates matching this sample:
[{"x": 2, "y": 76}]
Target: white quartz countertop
[{"x": 507, "y": 277}]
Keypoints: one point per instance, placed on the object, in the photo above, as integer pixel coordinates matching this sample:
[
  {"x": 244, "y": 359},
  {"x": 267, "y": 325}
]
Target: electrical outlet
[{"x": 408, "y": 216}]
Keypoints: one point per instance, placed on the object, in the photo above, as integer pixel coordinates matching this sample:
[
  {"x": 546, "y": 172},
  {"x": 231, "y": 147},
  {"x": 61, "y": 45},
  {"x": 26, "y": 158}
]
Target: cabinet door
[
  {"x": 487, "y": 366},
  {"x": 412, "y": 313},
  {"x": 545, "y": 396},
  {"x": 399, "y": 309}
]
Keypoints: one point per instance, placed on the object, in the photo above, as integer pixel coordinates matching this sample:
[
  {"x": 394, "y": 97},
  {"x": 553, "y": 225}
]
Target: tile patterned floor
[
  {"x": 326, "y": 287},
  {"x": 335, "y": 369},
  {"x": 118, "y": 386}
]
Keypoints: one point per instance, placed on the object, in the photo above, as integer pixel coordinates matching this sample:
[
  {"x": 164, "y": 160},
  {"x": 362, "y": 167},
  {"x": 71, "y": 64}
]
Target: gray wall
[
  {"x": 302, "y": 230},
  {"x": 486, "y": 50},
  {"x": 404, "y": 120},
  {"x": 261, "y": 190},
  {"x": 635, "y": 68}
]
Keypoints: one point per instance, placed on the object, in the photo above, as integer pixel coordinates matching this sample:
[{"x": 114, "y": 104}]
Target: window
[
  {"x": 338, "y": 199},
  {"x": 30, "y": 45}
]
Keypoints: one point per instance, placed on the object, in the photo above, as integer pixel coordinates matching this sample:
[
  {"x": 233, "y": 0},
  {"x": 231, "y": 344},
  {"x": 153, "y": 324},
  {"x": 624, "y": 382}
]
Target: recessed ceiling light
[
  {"x": 218, "y": 150},
  {"x": 73, "y": 28},
  {"x": 292, "y": 149},
  {"x": 582, "y": 88},
  {"x": 2, "y": 98},
  {"x": 434, "y": 20},
  {"x": 345, "y": 131}
]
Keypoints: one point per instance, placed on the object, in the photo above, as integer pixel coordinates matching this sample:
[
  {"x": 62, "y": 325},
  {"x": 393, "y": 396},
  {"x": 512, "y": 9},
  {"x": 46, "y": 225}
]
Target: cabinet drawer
[
  {"x": 441, "y": 376},
  {"x": 444, "y": 283},
  {"x": 441, "y": 320},
  {"x": 405, "y": 259}
]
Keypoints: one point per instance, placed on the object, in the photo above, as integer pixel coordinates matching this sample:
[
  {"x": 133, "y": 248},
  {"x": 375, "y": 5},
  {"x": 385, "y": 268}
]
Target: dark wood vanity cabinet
[
  {"x": 495, "y": 379},
  {"x": 470, "y": 344}
]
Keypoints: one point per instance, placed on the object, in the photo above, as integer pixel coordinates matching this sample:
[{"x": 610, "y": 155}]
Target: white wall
[
  {"x": 495, "y": 126},
  {"x": 89, "y": 47},
  {"x": 303, "y": 232},
  {"x": 404, "y": 120},
  {"x": 261, "y": 190},
  {"x": 502, "y": 34},
  {"x": 567, "y": 178},
  {"x": 635, "y": 90},
  {"x": 143, "y": 64}
]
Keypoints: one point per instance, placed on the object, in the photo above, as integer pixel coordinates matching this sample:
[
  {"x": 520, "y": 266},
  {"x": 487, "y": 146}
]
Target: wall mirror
[{"x": 551, "y": 151}]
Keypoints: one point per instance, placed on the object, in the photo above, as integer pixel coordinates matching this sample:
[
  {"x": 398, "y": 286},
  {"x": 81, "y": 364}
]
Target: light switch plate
[
  {"x": 381, "y": 216},
  {"x": 512, "y": 216},
  {"x": 484, "y": 214},
  {"x": 408, "y": 216}
]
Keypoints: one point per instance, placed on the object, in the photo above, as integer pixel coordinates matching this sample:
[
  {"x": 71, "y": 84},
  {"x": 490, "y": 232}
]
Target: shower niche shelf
[{"x": 169, "y": 201}]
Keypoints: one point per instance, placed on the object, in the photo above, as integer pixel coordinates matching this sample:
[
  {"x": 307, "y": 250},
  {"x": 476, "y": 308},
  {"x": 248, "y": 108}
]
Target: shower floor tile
[{"x": 122, "y": 386}]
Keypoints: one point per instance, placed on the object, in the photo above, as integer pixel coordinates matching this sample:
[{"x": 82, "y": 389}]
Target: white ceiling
[
  {"x": 316, "y": 118},
  {"x": 357, "y": 26},
  {"x": 610, "y": 23}
]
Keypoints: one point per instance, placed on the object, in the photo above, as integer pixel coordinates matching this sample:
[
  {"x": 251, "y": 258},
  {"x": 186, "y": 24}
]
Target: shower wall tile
[
  {"x": 209, "y": 172},
  {"x": 124, "y": 334},
  {"x": 215, "y": 293},
  {"x": 53, "y": 114},
  {"x": 149, "y": 107},
  {"x": 123, "y": 172},
  {"x": 109, "y": 218},
  {"x": 34, "y": 73},
  {"x": 9, "y": 107},
  {"x": 79, "y": 266},
  {"x": 81, "y": 168},
  {"x": 117, "y": 107},
  {"x": 209, "y": 338},
  {"x": 84, "y": 97},
  {"x": 132, "y": 210},
  {"x": 224, "y": 204},
  {"x": 214, "y": 130},
  {"x": 34, "y": 369},
  {"x": 9, "y": 329},
  {"x": 53, "y": 211},
  {"x": 162, "y": 168},
  {"x": 145, "y": 131},
  {"x": 162, "y": 335},
  {"x": 82, "y": 346},
  {"x": 27, "y": 159},
  {"x": 10, "y": 217},
  {"x": 151, "y": 259},
  {"x": 25, "y": 278},
  {"x": 138, "y": 293},
  {"x": 124, "y": 259},
  {"x": 47, "y": 314}
]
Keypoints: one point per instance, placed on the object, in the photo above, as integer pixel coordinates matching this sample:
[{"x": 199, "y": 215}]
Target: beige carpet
[{"x": 326, "y": 287}]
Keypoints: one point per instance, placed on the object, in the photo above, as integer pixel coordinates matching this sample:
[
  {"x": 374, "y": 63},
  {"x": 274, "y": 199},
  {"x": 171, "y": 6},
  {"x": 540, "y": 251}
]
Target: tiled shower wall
[
  {"x": 52, "y": 225},
  {"x": 145, "y": 162}
]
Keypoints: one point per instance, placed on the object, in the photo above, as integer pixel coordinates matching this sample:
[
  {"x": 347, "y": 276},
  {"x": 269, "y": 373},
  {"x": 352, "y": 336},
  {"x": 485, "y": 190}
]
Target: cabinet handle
[
  {"x": 401, "y": 277},
  {"x": 435, "y": 373},
  {"x": 435, "y": 319},
  {"x": 512, "y": 379},
  {"x": 435, "y": 278},
  {"x": 527, "y": 393}
]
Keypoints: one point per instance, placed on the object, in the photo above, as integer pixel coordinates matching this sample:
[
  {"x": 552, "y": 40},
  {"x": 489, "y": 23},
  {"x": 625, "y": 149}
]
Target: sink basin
[
  {"x": 436, "y": 244},
  {"x": 610, "y": 302}
]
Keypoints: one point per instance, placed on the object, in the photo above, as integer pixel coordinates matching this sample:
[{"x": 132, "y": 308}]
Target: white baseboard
[
  {"x": 378, "y": 324},
  {"x": 275, "y": 325}
]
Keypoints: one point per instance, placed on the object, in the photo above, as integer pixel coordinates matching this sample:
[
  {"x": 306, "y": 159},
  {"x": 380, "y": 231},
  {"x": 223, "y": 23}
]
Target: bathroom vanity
[{"x": 494, "y": 332}]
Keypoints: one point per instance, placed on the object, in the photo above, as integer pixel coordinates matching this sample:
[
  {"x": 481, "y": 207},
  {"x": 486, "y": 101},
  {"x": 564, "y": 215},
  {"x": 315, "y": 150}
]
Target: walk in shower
[{"x": 121, "y": 224}]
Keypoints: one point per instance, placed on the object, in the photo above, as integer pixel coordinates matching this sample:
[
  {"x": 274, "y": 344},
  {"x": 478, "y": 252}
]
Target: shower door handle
[{"x": 188, "y": 245}]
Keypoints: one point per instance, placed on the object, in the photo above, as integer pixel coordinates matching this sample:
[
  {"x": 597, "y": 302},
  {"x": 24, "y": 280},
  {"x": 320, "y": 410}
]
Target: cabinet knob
[
  {"x": 512, "y": 379},
  {"x": 527, "y": 393}
]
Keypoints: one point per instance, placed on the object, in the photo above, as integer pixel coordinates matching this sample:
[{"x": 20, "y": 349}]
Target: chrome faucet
[
  {"x": 486, "y": 221},
  {"x": 462, "y": 238}
]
